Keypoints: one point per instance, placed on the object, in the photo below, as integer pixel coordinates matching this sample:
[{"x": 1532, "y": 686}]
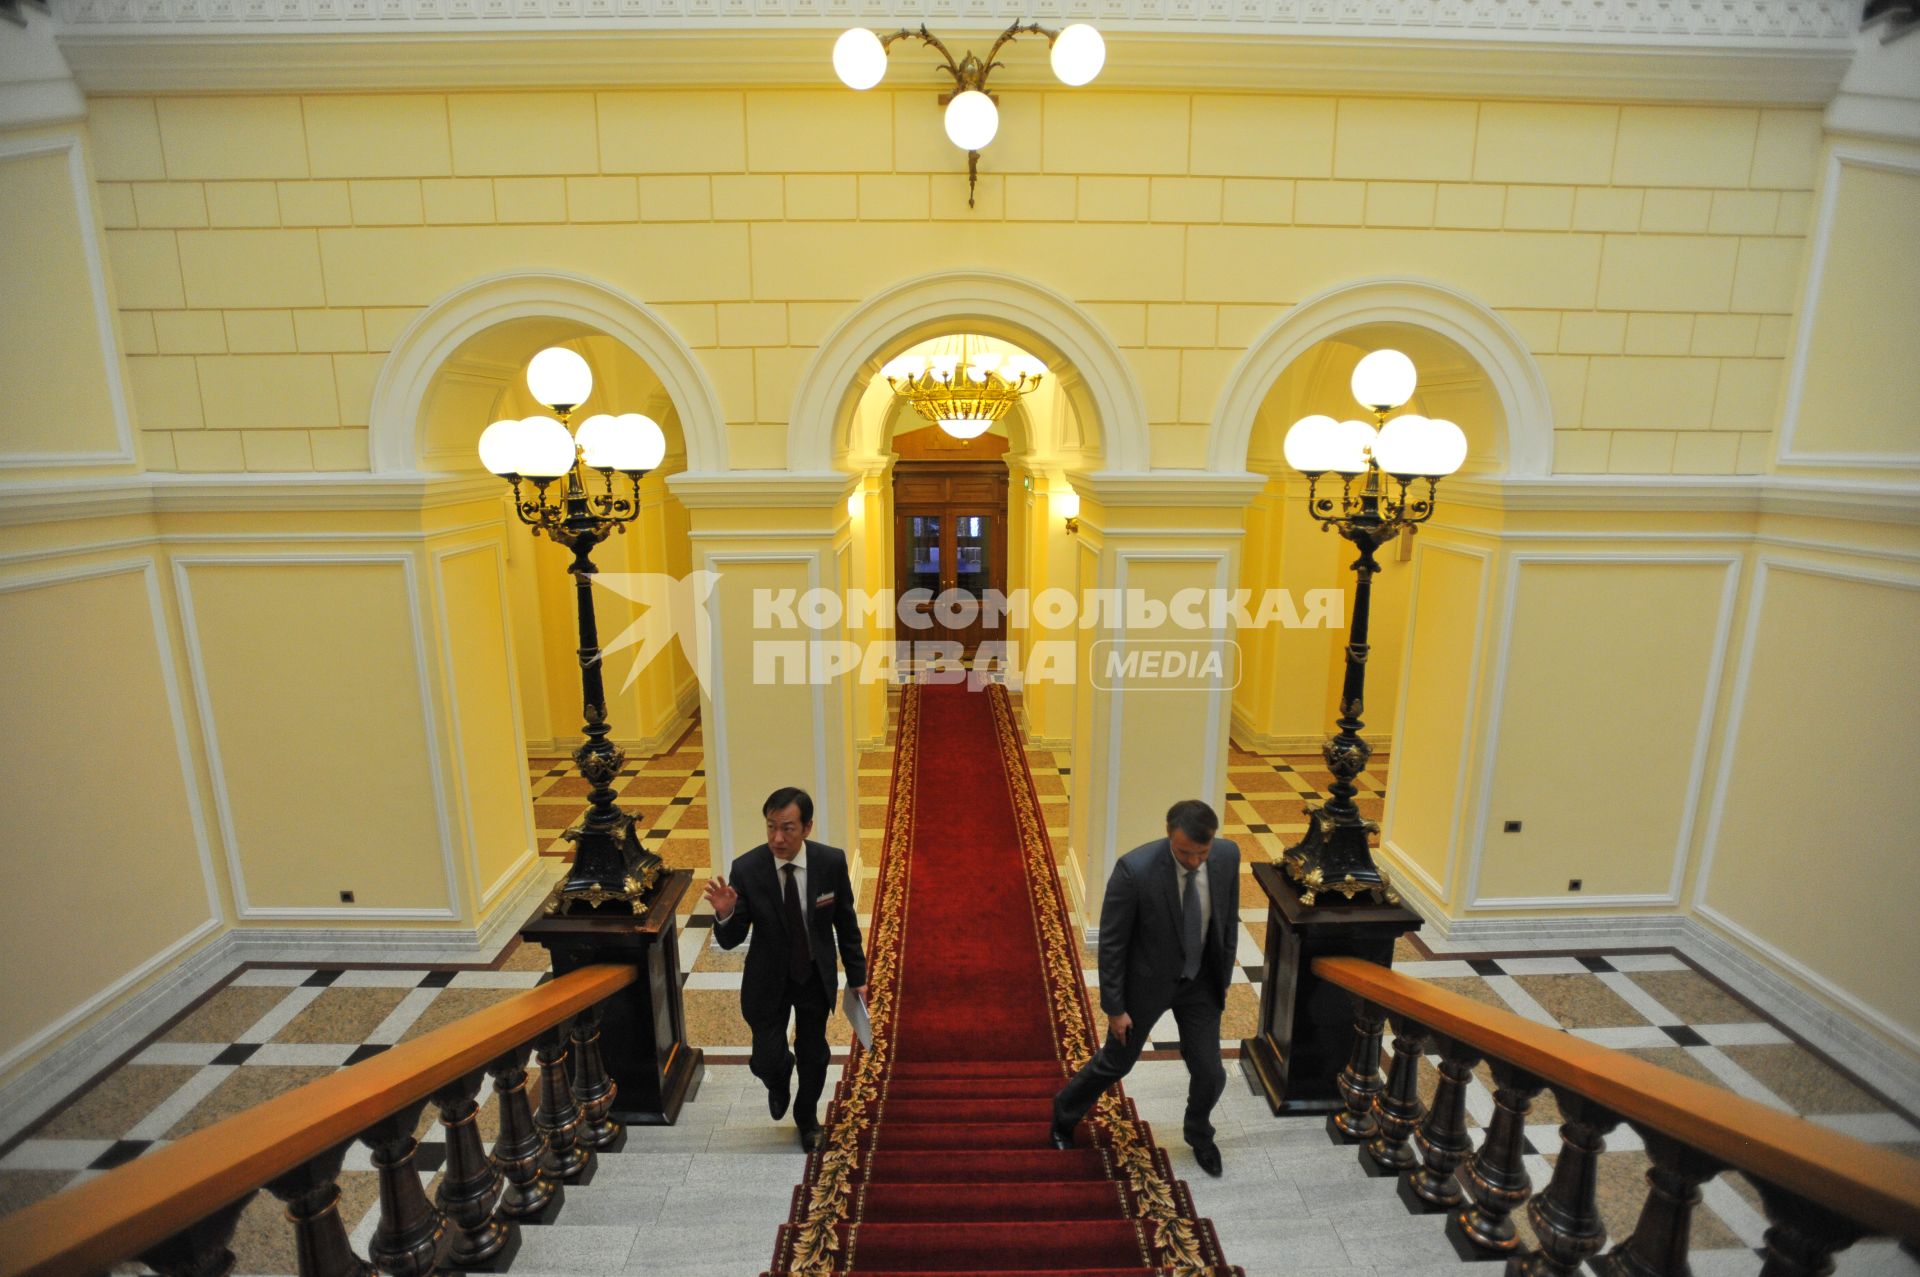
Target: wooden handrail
[
  {"x": 126, "y": 1211},
  {"x": 1871, "y": 1186}
]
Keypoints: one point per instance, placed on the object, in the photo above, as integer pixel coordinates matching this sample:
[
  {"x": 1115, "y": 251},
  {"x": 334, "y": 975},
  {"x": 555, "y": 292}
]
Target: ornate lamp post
[
  {"x": 1378, "y": 467},
  {"x": 609, "y": 865}
]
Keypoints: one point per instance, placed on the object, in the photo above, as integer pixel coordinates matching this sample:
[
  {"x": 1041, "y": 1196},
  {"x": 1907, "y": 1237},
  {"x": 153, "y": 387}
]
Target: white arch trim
[
  {"x": 1486, "y": 338},
  {"x": 436, "y": 333},
  {"x": 829, "y": 387}
]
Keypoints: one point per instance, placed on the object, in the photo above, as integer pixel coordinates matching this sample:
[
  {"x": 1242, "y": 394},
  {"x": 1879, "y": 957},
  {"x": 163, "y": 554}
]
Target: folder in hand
[{"x": 856, "y": 1008}]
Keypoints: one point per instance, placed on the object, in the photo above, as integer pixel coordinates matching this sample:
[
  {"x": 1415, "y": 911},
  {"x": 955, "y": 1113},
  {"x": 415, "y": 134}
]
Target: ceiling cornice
[{"x": 1787, "y": 52}]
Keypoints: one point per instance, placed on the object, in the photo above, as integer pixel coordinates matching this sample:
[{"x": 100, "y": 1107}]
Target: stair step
[
  {"x": 990, "y": 1203},
  {"x": 971, "y": 1135},
  {"x": 983, "y": 1166},
  {"x": 1029, "y": 1110},
  {"x": 913, "y": 1087},
  {"x": 977, "y": 1068},
  {"x": 982, "y": 1247}
]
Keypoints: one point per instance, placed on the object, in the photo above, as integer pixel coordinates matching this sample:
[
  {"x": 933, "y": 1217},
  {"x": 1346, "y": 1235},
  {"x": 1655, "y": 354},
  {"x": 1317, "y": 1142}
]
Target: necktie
[
  {"x": 799, "y": 958},
  {"x": 1190, "y": 926}
]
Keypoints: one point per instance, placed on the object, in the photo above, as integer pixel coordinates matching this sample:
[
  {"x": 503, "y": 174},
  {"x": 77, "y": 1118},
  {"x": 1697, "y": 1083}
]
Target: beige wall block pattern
[
  {"x": 752, "y": 324},
  {"x": 1202, "y": 374},
  {"x": 694, "y": 321},
  {"x": 170, "y": 204},
  {"x": 1257, "y": 200},
  {"x": 354, "y": 376},
  {"x": 1756, "y": 453},
  {"x": 1405, "y": 139},
  {"x": 1238, "y": 135},
  {"x": 1676, "y": 212},
  {"x": 1580, "y": 451},
  {"x": 1176, "y": 325},
  {"x": 731, "y": 371},
  {"x": 1539, "y": 329},
  {"x": 146, "y": 269},
  {"x": 1786, "y": 150},
  {"x": 388, "y": 202},
  {"x": 1158, "y": 372},
  {"x": 1593, "y": 333},
  {"x": 385, "y": 135},
  {"x": 1795, "y": 216},
  {"x": 672, "y": 132},
  {"x": 1540, "y": 208},
  {"x": 315, "y": 204},
  {"x": 1600, "y": 208},
  {"x": 115, "y": 202},
  {"x": 166, "y": 392},
  {"x": 1685, "y": 146},
  {"x": 397, "y": 267},
  {"x": 1400, "y": 203},
  {"x": 1666, "y": 272},
  {"x": 1641, "y": 452},
  {"x": 270, "y": 392},
  {"x": 262, "y": 332},
  {"x": 886, "y": 197},
  {"x": 1749, "y": 395},
  {"x": 1768, "y": 276},
  {"x": 242, "y": 204},
  {"x": 515, "y": 134},
  {"x": 339, "y": 449},
  {"x": 530, "y": 199},
  {"x": 602, "y": 199},
  {"x": 822, "y": 197},
  {"x": 276, "y": 450},
  {"x": 1706, "y": 452},
  {"x": 741, "y": 197},
  {"x": 1114, "y": 198},
  {"x": 232, "y": 137},
  {"x": 1635, "y": 393},
  {"x": 208, "y": 451},
  {"x": 1124, "y": 322},
  {"x": 1041, "y": 197},
  {"x": 830, "y": 131},
  {"x": 136, "y": 333},
  {"x": 690, "y": 199},
  {"x": 1116, "y": 132},
  {"x": 385, "y": 325},
  {"x": 156, "y": 450},
  {"x": 1725, "y": 334},
  {"x": 456, "y": 200},
  {"x": 920, "y": 143},
  {"x": 189, "y": 332},
  {"x": 1555, "y": 142},
  {"x": 951, "y": 196},
  {"x": 808, "y": 323},
  {"x": 243, "y": 269},
  {"x": 1468, "y": 207},
  {"x": 123, "y": 140},
  {"x": 1744, "y": 212},
  {"x": 1659, "y": 334},
  {"x": 1186, "y": 199},
  {"x": 776, "y": 371},
  {"x": 1329, "y": 203},
  {"x": 1775, "y": 333},
  {"x": 1566, "y": 378}
]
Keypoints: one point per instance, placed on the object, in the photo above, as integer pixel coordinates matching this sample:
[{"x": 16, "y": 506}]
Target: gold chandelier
[{"x": 963, "y": 396}]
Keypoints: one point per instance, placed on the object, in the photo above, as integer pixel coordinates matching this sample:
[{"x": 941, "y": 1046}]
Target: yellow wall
[{"x": 267, "y": 249}]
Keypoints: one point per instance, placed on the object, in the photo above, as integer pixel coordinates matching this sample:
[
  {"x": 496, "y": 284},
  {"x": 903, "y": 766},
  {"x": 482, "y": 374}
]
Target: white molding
[
  {"x": 1479, "y": 331},
  {"x": 105, "y": 322},
  {"x": 28, "y": 103},
  {"x": 1839, "y": 157},
  {"x": 1427, "y": 894},
  {"x": 189, "y": 623},
  {"x": 1488, "y": 566},
  {"x": 1265, "y": 743},
  {"x": 1703, "y": 733},
  {"x": 162, "y": 539},
  {"x": 483, "y": 895},
  {"x": 508, "y": 878}
]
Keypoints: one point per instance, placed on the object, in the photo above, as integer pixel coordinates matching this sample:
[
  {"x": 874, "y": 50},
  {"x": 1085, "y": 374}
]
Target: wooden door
[{"x": 950, "y": 551}]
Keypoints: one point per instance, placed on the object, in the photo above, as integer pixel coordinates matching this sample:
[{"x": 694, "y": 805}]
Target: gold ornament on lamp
[{"x": 963, "y": 396}]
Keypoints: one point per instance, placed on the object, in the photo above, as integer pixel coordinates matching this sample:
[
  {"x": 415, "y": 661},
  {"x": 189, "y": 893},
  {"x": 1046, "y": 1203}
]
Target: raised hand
[{"x": 721, "y": 896}]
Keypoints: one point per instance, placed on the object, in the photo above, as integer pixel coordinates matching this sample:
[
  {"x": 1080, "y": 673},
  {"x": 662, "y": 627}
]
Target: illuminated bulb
[
  {"x": 546, "y": 448},
  {"x": 972, "y": 120},
  {"x": 1078, "y": 54},
  {"x": 1384, "y": 379},
  {"x": 1312, "y": 445},
  {"x": 500, "y": 447},
  {"x": 859, "y": 59},
  {"x": 559, "y": 378}
]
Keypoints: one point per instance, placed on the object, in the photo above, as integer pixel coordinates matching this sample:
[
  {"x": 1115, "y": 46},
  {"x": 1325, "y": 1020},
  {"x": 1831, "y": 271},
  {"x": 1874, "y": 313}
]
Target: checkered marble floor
[{"x": 1290, "y": 1199}]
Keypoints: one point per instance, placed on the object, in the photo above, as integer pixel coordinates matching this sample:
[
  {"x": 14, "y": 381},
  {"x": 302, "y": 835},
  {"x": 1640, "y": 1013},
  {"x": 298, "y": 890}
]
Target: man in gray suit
[
  {"x": 1168, "y": 931},
  {"x": 794, "y": 895}
]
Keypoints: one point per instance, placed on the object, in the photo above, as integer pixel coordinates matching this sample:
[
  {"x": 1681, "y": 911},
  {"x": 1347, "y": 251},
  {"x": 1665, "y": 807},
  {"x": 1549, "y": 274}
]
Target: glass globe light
[
  {"x": 546, "y": 448},
  {"x": 965, "y": 427},
  {"x": 972, "y": 120},
  {"x": 859, "y": 59},
  {"x": 1067, "y": 504},
  {"x": 1310, "y": 445},
  {"x": 1352, "y": 442},
  {"x": 1023, "y": 366},
  {"x": 1448, "y": 450},
  {"x": 1078, "y": 54},
  {"x": 1404, "y": 445},
  {"x": 559, "y": 378},
  {"x": 904, "y": 368},
  {"x": 629, "y": 442},
  {"x": 943, "y": 366},
  {"x": 500, "y": 447},
  {"x": 1384, "y": 379}
]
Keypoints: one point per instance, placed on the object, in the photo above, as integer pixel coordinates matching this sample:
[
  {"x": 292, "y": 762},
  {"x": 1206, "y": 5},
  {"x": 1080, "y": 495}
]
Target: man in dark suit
[
  {"x": 796, "y": 896},
  {"x": 1169, "y": 927}
]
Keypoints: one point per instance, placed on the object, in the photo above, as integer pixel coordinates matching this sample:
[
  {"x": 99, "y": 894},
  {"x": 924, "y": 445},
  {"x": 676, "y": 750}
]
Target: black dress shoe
[
  {"x": 1208, "y": 1155},
  {"x": 777, "y": 1101},
  {"x": 811, "y": 1138},
  {"x": 1062, "y": 1136}
]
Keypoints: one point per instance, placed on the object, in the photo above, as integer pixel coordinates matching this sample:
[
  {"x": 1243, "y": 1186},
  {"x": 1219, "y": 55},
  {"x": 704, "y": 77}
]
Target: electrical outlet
[
  {"x": 346, "y": 897},
  {"x": 1574, "y": 884},
  {"x": 1510, "y": 827}
]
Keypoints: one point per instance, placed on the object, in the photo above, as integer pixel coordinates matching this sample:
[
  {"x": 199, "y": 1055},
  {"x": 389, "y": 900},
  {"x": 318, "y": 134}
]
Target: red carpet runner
[{"x": 936, "y": 1157}]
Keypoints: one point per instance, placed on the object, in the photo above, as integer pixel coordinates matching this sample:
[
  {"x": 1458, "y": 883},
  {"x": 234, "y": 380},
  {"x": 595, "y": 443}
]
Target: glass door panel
[
  {"x": 973, "y": 554},
  {"x": 923, "y": 552}
]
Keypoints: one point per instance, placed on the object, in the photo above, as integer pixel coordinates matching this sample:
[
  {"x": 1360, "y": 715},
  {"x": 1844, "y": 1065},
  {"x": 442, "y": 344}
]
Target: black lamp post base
[
  {"x": 1335, "y": 857},
  {"x": 612, "y": 871}
]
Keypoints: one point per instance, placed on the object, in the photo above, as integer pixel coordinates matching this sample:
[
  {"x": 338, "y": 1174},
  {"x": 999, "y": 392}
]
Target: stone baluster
[
  {"x": 559, "y": 1118},
  {"x": 470, "y": 1184},
  {"x": 1565, "y": 1217},
  {"x": 1397, "y": 1110},
  {"x": 311, "y": 1194},
  {"x": 201, "y": 1248},
  {"x": 1496, "y": 1176},
  {"x": 518, "y": 1150},
  {"x": 1803, "y": 1236},
  {"x": 593, "y": 1090},
  {"x": 1360, "y": 1082},
  {"x": 1442, "y": 1139},
  {"x": 411, "y": 1236},
  {"x": 1658, "y": 1247}
]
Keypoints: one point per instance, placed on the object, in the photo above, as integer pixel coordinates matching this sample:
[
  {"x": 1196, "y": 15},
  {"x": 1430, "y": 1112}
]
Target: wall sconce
[
  {"x": 973, "y": 114},
  {"x": 1068, "y": 504},
  {"x": 855, "y": 502}
]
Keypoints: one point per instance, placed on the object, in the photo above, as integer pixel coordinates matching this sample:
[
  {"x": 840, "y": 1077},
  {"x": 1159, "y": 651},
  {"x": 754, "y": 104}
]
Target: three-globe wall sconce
[{"x": 972, "y": 114}]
